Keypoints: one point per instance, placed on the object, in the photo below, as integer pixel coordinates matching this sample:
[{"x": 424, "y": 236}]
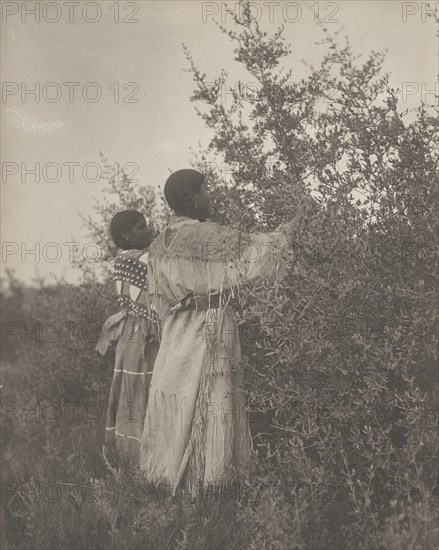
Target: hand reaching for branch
[{"x": 304, "y": 208}]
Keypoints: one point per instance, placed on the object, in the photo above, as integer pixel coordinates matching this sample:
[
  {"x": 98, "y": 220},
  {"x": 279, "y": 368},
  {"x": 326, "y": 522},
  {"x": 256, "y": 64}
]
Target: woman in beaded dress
[
  {"x": 196, "y": 431},
  {"x": 135, "y": 335}
]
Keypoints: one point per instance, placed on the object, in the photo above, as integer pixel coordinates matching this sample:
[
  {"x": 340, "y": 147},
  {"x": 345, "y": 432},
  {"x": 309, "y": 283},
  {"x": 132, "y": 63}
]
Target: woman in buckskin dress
[
  {"x": 196, "y": 433},
  {"x": 134, "y": 332}
]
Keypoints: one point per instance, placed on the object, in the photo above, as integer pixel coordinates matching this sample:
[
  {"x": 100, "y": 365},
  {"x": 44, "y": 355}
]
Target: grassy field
[{"x": 60, "y": 491}]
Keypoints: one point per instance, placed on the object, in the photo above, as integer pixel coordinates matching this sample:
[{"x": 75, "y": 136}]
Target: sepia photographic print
[{"x": 219, "y": 279}]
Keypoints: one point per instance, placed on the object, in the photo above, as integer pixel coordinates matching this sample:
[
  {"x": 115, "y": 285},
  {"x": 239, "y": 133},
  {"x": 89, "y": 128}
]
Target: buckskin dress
[
  {"x": 196, "y": 432},
  {"x": 134, "y": 331}
]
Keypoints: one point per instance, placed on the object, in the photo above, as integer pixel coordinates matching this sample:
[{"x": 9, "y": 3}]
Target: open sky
[{"x": 91, "y": 43}]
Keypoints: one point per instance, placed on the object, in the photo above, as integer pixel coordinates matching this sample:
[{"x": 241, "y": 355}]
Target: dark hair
[
  {"x": 121, "y": 222},
  {"x": 179, "y": 188}
]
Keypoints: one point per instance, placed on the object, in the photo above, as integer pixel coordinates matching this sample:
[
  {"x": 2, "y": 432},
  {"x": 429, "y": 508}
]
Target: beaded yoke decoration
[{"x": 130, "y": 275}]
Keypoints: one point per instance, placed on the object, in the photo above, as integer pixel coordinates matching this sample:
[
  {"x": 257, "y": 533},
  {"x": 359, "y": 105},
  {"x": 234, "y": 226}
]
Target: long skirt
[
  {"x": 196, "y": 429},
  {"x": 134, "y": 363}
]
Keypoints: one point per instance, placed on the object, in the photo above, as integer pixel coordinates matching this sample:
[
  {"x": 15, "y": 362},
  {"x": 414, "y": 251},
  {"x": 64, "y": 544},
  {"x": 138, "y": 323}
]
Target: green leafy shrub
[{"x": 342, "y": 352}]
